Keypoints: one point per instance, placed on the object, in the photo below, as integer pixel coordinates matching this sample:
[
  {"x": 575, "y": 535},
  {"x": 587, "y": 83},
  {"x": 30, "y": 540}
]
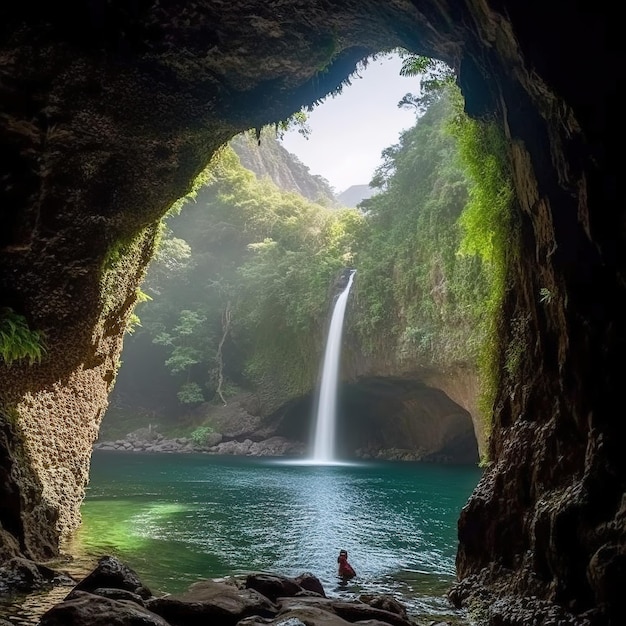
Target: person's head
[{"x": 342, "y": 555}]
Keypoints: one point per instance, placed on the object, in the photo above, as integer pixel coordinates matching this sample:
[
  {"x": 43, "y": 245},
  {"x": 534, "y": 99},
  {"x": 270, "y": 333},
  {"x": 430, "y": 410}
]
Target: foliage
[
  {"x": 243, "y": 273},
  {"x": 545, "y": 295},
  {"x": 198, "y": 182},
  {"x": 184, "y": 342},
  {"x": 517, "y": 346},
  {"x": 17, "y": 340},
  {"x": 248, "y": 252},
  {"x": 489, "y": 230},
  {"x": 190, "y": 393},
  {"x": 433, "y": 261},
  {"x": 122, "y": 269},
  {"x": 297, "y": 121},
  {"x": 200, "y": 435},
  {"x": 435, "y": 77},
  {"x": 414, "y": 291},
  {"x": 134, "y": 320}
]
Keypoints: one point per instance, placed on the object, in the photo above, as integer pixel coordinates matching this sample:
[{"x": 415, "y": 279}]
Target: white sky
[{"x": 350, "y": 131}]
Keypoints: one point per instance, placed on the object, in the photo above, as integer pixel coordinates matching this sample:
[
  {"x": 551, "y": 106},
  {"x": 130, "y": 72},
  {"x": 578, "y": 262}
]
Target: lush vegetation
[
  {"x": 17, "y": 340},
  {"x": 240, "y": 285},
  {"x": 415, "y": 292},
  {"x": 432, "y": 264}
]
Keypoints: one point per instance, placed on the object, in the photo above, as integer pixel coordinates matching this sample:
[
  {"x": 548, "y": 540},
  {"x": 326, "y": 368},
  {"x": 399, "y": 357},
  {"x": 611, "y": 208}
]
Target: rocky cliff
[
  {"x": 267, "y": 158},
  {"x": 109, "y": 110}
]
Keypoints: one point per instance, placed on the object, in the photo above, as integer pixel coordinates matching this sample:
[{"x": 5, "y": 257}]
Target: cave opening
[
  {"x": 418, "y": 421},
  {"x": 389, "y": 418},
  {"x": 122, "y": 90}
]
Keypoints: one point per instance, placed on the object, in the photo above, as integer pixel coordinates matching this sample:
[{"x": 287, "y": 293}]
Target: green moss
[{"x": 123, "y": 271}]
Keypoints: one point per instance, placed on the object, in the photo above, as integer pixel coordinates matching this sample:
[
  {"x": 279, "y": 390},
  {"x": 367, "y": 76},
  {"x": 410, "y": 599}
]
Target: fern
[{"x": 17, "y": 340}]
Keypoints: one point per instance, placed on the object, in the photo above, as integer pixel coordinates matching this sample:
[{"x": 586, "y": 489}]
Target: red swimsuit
[{"x": 345, "y": 569}]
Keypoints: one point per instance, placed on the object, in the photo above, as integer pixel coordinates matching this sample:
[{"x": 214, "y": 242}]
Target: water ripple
[{"x": 178, "y": 518}]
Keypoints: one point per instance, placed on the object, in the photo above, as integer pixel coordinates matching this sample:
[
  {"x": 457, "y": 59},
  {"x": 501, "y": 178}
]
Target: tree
[{"x": 243, "y": 259}]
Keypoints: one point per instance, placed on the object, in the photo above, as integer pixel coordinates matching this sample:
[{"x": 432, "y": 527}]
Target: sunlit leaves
[
  {"x": 182, "y": 358},
  {"x": 173, "y": 254},
  {"x": 414, "y": 291},
  {"x": 270, "y": 253},
  {"x": 435, "y": 77},
  {"x": 189, "y": 323},
  {"x": 17, "y": 340}
]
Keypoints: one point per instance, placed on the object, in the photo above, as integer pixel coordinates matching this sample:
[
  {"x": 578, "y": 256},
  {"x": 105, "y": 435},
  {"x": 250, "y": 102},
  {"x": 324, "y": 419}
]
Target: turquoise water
[{"x": 177, "y": 518}]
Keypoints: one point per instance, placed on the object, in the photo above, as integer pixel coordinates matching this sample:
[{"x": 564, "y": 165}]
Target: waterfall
[{"x": 324, "y": 443}]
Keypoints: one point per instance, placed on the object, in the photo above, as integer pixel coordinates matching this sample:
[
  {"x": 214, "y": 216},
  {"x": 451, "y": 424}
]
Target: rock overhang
[{"x": 141, "y": 96}]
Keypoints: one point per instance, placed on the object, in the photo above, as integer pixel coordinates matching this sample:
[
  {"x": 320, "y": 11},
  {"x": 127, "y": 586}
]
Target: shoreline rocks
[
  {"x": 150, "y": 441},
  {"x": 113, "y": 594},
  {"x": 153, "y": 442}
]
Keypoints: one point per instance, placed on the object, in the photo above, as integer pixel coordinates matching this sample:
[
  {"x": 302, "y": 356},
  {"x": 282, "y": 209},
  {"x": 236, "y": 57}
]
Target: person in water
[{"x": 345, "y": 570}]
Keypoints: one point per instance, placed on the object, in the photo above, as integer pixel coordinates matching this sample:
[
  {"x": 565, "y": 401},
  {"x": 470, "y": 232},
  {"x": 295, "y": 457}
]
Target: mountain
[
  {"x": 272, "y": 160},
  {"x": 355, "y": 194}
]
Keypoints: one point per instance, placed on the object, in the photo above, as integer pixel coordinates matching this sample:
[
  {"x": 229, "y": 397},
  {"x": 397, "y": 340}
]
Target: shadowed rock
[
  {"x": 112, "y": 594},
  {"x": 86, "y": 609},
  {"x": 273, "y": 587},
  {"x": 23, "y": 575},
  {"x": 259, "y": 599},
  {"x": 386, "y": 603},
  {"x": 112, "y": 573},
  {"x": 355, "y": 611},
  {"x": 309, "y": 582}
]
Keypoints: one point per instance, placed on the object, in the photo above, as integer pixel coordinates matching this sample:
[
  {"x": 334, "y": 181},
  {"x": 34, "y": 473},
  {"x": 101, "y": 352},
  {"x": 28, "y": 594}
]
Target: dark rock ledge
[{"x": 113, "y": 594}]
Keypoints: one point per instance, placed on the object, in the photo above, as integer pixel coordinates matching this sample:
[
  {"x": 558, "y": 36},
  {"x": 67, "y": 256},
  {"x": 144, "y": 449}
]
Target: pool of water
[{"x": 176, "y": 518}]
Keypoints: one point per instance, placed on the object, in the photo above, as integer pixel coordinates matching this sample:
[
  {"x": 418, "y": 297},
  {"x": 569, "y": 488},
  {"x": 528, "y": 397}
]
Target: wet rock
[
  {"x": 386, "y": 603},
  {"x": 209, "y": 601},
  {"x": 87, "y": 609},
  {"x": 309, "y": 582},
  {"x": 272, "y": 586},
  {"x": 112, "y": 594},
  {"x": 112, "y": 573},
  {"x": 273, "y": 446},
  {"x": 303, "y": 615},
  {"x": 358, "y": 611},
  {"x": 22, "y": 575}
]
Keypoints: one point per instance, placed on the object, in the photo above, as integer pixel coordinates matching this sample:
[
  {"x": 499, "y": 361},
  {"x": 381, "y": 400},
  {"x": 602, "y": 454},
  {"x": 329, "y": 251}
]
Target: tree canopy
[{"x": 241, "y": 285}]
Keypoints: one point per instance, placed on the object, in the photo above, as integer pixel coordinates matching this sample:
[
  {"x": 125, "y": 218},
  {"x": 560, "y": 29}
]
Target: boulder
[
  {"x": 87, "y": 609},
  {"x": 273, "y": 586},
  {"x": 22, "y": 575},
  {"x": 209, "y": 601},
  {"x": 112, "y": 573}
]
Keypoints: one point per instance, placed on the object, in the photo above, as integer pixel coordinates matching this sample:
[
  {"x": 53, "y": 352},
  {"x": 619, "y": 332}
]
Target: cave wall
[
  {"x": 109, "y": 112},
  {"x": 110, "y": 109},
  {"x": 459, "y": 381},
  {"x": 406, "y": 419}
]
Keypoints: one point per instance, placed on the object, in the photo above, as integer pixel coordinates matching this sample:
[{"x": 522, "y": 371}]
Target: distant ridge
[
  {"x": 355, "y": 194},
  {"x": 272, "y": 160}
]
